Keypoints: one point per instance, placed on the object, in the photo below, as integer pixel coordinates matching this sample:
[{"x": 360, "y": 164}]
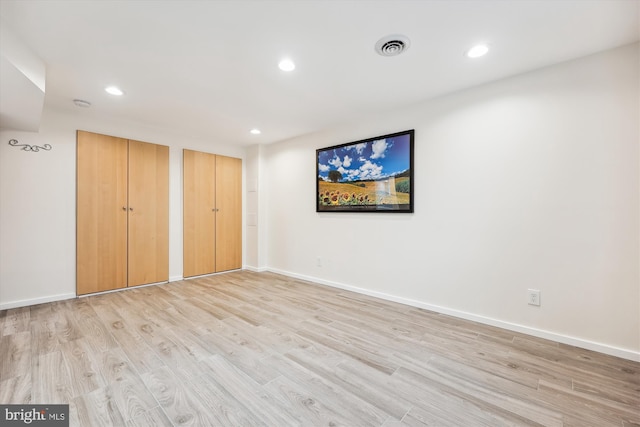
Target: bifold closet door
[
  {"x": 199, "y": 213},
  {"x": 148, "y": 229},
  {"x": 122, "y": 213},
  {"x": 229, "y": 213},
  {"x": 101, "y": 223}
]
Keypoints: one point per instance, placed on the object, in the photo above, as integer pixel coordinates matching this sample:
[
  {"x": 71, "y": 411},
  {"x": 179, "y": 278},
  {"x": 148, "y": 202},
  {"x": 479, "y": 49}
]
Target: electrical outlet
[
  {"x": 319, "y": 262},
  {"x": 533, "y": 297}
]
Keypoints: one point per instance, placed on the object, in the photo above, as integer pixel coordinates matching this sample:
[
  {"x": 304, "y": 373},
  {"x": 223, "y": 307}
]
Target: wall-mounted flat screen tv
[{"x": 371, "y": 175}]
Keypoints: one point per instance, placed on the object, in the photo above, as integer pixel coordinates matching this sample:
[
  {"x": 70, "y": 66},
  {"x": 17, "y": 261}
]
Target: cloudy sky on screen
[{"x": 374, "y": 159}]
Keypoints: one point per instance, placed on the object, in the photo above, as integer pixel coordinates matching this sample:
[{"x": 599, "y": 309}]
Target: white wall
[
  {"x": 255, "y": 234},
  {"x": 529, "y": 182},
  {"x": 38, "y": 207}
]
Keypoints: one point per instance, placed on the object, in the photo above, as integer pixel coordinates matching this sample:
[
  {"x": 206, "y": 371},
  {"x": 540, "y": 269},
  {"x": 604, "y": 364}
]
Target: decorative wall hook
[{"x": 27, "y": 147}]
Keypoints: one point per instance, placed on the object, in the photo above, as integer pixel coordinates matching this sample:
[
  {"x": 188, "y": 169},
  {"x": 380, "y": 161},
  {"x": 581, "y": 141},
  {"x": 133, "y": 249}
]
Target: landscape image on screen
[{"x": 369, "y": 175}]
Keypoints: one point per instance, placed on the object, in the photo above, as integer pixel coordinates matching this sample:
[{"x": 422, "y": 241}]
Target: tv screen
[{"x": 371, "y": 175}]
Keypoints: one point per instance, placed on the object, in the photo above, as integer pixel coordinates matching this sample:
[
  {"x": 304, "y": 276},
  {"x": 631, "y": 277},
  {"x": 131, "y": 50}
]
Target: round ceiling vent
[{"x": 392, "y": 45}]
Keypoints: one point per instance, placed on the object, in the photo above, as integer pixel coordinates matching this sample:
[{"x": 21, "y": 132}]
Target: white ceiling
[{"x": 208, "y": 69}]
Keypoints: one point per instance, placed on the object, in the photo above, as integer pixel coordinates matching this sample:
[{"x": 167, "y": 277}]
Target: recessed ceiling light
[
  {"x": 255, "y": 131},
  {"x": 477, "y": 51},
  {"x": 113, "y": 90},
  {"x": 287, "y": 65}
]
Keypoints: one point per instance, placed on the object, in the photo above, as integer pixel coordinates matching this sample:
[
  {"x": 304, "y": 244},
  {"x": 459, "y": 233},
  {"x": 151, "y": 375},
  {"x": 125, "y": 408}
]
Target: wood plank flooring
[{"x": 259, "y": 349}]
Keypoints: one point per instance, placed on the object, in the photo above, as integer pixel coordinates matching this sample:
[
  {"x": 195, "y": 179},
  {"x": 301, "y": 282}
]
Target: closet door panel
[
  {"x": 148, "y": 231},
  {"x": 229, "y": 213},
  {"x": 101, "y": 196},
  {"x": 199, "y": 215}
]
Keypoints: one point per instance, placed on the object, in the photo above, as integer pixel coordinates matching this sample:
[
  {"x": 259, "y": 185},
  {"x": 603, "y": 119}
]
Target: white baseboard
[
  {"x": 34, "y": 301},
  {"x": 255, "y": 269},
  {"x": 175, "y": 278},
  {"x": 564, "y": 339}
]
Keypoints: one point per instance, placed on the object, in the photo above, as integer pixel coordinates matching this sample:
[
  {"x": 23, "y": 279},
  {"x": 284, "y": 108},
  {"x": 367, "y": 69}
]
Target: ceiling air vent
[
  {"x": 392, "y": 45},
  {"x": 82, "y": 103}
]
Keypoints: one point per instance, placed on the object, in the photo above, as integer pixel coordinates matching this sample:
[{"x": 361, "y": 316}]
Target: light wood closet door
[
  {"x": 229, "y": 213},
  {"x": 148, "y": 230},
  {"x": 101, "y": 243},
  {"x": 199, "y": 216}
]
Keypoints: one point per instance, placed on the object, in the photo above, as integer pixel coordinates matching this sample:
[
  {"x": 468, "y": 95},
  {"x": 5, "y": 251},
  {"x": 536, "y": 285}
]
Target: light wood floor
[{"x": 260, "y": 349}]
